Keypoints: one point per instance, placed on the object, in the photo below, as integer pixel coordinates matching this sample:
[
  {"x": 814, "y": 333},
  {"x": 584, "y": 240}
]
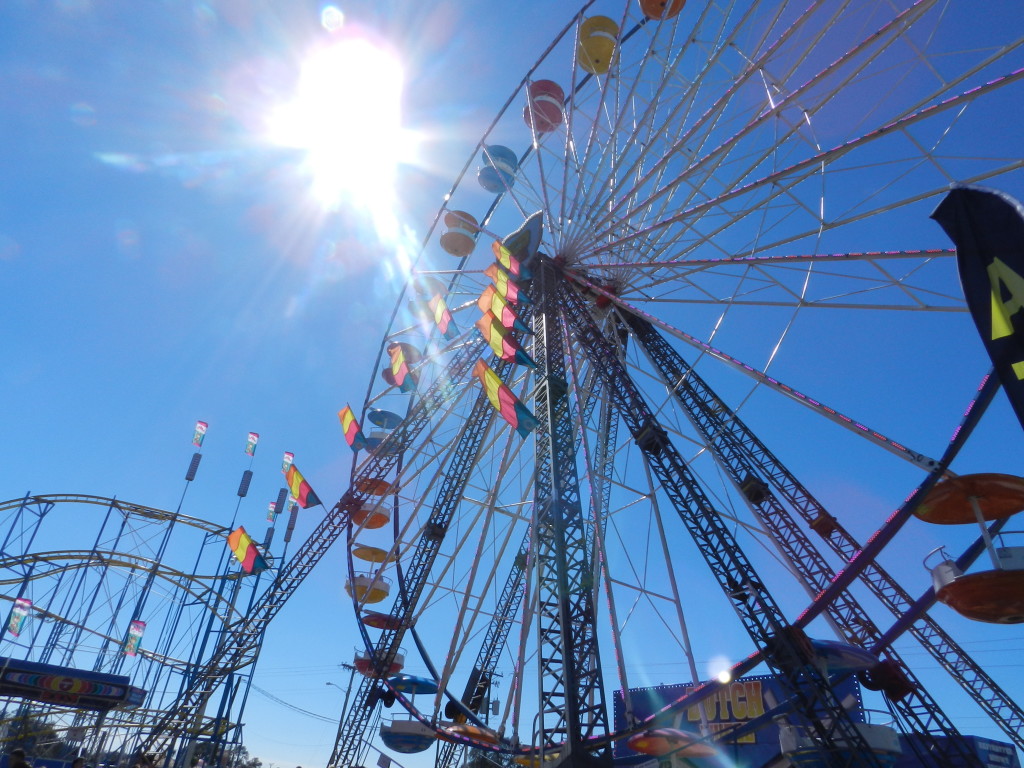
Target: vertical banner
[
  {"x": 19, "y": 613},
  {"x": 987, "y": 228},
  {"x": 250, "y": 443},
  {"x": 287, "y": 461},
  {"x": 135, "y": 632},
  {"x": 272, "y": 512},
  {"x": 199, "y": 434}
]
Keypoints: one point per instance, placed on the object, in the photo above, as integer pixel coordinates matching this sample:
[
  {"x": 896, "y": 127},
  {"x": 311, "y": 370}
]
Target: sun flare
[{"x": 345, "y": 116}]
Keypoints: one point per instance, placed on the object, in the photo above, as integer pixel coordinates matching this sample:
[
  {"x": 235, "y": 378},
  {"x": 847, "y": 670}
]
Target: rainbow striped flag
[
  {"x": 502, "y": 341},
  {"x": 509, "y": 260},
  {"x": 490, "y": 301},
  {"x": 300, "y": 490},
  {"x": 353, "y": 434},
  {"x": 505, "y": 285},
  {"x": 245, "y": 551},
  {"x": 442, "y": 316},
  {"x": 507, "y": 404},
  {"x": 399, "y": 374}
]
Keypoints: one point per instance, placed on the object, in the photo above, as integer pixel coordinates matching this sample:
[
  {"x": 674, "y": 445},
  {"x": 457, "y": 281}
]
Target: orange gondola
[
  {"x": 952, "y": 501},
  {"x": 468, "y": 731},
  {"x": 661, "y": 9},
  {"x": 374, "y": 486},
  {"x": 996, "y": 597},
  {"x": 371, "y": 515},
  {"x": 460, "y": 239},
  {"x": 662, "y": 741}
]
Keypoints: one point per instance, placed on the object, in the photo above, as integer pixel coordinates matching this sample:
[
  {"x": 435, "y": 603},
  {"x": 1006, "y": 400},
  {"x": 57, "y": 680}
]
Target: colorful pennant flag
[
  {"x": 245, "y": 551},
  {"x": 272, "y": 512},
  {"x": 505, "y": 285},
  {"x": 506, "y": 403},
  {"x": 300, "y": 490},
  {"x": 199, "y": 434},
  {"x": 442, "y": 316},
  {"x": 398, "y": 374},
  {"x": 490, "y": 301},
  {"x": 510, "y": 260},
  {"x": 250, "y": 443},
  {"x": 19, "y": 613},
  {"x": 287, "y": 461},
  {"x": 502, "y": 341},
  {"x": 135, "y": 632},
  {"x": 353, "y": 434}
]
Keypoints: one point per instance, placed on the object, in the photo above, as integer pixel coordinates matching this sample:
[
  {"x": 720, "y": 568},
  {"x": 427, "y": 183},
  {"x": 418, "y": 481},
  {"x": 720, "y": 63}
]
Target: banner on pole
[
  {"x": 199, "y": 434},
  {"x": 19, "y": 613},
  {"x": 135, "y": 631}
]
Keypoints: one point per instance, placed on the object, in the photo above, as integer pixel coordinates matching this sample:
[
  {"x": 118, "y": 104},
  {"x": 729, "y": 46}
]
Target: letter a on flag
[{"x": 987, "y": 228}]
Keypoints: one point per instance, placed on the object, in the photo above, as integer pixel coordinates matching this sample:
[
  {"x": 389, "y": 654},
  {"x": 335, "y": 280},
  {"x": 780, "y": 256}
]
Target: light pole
[{"x": 348, "y": 689}]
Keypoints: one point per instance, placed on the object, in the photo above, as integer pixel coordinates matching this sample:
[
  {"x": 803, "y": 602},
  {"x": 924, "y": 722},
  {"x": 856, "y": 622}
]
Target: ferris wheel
[{"x": 686, "y": 266}]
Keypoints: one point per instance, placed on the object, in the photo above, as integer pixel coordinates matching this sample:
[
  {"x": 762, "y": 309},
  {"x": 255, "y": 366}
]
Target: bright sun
[{"x": 345, "y": 115}]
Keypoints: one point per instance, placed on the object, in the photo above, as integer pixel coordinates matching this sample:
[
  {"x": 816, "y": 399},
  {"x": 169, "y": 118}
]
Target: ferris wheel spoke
[
  {"x": 824, "y": 158},
  {"x": 709, "y": 119}
]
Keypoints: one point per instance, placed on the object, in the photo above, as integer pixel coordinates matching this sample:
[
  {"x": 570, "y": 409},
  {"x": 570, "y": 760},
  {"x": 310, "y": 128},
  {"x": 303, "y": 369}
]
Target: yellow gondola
[{"x": 598, "y": 39}]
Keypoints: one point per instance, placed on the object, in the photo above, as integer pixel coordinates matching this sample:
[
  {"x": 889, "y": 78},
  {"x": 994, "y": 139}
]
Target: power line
[{"x": 292, "y": 707}]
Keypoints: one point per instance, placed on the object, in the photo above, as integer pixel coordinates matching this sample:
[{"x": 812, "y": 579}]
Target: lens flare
[
  {"x": 345, "y": 117},
  {"x": 719, "y": 668}
]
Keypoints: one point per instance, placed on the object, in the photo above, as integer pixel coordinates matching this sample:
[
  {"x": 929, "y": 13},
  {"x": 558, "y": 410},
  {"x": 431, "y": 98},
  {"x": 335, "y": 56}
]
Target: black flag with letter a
[{"x": 987, "y": 228}]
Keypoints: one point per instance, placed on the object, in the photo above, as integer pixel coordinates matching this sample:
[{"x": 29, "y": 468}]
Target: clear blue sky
[{"x": 162, "y": 262}]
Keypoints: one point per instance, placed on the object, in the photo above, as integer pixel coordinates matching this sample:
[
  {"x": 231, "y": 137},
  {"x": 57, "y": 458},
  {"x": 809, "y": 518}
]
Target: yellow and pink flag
[
  {"x": 501, "y": 340},
  {"x": 399, "y": 373},
  {"x": 353, "y": 434},
  {"x": 504, "y": 401},
  {"x": 508, "y": 259},
  {"x": 245, "y": 551},
  {"x": 300, "y": 490},
  {"x": 490, "y": 301},
  {"x": 505, "y": 286},
  {"x": 442, "y": 316}
]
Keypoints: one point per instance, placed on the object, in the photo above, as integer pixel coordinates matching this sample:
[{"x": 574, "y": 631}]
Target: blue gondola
[
  {"x": 843, "y": 657},
  {"x": 412, "y": 684},
  {"x": 383, "y": 419},
  {"x": 407, "y": 736},
  {"x": 499, "y": 169}
]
